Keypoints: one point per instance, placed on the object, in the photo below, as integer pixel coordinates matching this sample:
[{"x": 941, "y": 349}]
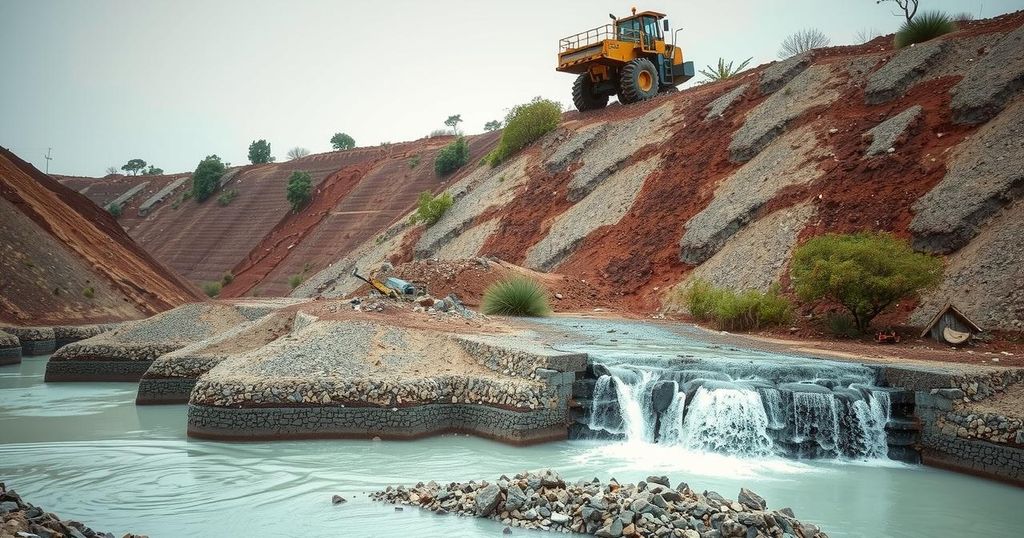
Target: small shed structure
[{"x": 950, "y": 326}]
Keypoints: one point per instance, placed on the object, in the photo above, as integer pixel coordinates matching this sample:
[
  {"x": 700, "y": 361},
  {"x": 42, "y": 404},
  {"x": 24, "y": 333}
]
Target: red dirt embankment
[{"x": 65, "y": 260}]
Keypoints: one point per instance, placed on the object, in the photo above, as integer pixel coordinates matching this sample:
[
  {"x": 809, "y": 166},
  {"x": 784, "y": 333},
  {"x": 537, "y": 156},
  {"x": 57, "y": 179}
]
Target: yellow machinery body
[{"x": 629, "y": 58}]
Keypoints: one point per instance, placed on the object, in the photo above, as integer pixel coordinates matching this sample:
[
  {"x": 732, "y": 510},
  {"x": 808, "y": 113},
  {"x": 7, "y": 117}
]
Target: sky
[{"x": 170, "y": 82}]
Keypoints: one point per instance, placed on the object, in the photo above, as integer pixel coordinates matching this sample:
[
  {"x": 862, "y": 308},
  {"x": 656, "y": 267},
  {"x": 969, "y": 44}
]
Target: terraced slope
[
  {"x": 63, "y": 260},
  {"x": 256, "y": 237},
  {"x": 723, "y": 180}
]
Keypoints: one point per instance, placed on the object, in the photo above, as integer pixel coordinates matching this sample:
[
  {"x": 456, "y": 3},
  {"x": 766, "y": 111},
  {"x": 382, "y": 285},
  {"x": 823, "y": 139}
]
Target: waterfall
[
  {"x": 732, "y": 421},
  {"x": 671, "y": 431},
  {"x": 816, "y": 419},
  {"x": 837, "y": 416}
]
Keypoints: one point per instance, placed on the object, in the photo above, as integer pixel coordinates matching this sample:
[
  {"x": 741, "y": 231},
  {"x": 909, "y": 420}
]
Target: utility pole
[{"x": 48, "y": 159}]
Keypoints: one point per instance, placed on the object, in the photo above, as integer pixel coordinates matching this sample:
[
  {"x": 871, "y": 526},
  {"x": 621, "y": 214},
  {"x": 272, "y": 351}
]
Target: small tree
[
  {"x": 803, "y": 41},
  {"x": 430, "y": 208},
  {"x": 865, "y": 272},
  {"x": 299, "y": 191},
  {"x": 259, "y": 152},
  {"x": 342, "y": 141},
  {"x": 492, "y": 125},
  {"x": 134, "y": 166},
  {"x": 112, "y": 170},
  {"x": 867, "y": 34},
  {"x": 297, "y": 152},
  {"x": 206, "y": 178},
  {"x": 909, "y": 7},
  {"x": 453, "y": 122},
  {"x": 115, "y": 210},
  {"x": 724, "y": 71},
  {"x": 451, "y": 157},
  {"x": 153, "y": 171}
]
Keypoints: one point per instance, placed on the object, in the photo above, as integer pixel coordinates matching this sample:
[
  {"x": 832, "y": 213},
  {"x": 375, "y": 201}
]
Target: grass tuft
[
  {"x": 737, "y": 311},
  {"x": 516, "y": 296},
  {"x": 926, "y": 26}
]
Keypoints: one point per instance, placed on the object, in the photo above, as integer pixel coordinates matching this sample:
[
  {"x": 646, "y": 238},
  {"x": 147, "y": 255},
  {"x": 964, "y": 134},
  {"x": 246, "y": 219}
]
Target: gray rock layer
[
  {"x": 984, "y": 175},
  {"x": 887, "y": 134},
  {"x": 992, "y": 82},
  {"x": 893, "y": 79}
]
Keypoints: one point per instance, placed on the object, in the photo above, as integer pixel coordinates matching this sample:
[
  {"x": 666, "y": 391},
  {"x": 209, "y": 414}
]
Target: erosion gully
[{"x": 85, "y": 451}]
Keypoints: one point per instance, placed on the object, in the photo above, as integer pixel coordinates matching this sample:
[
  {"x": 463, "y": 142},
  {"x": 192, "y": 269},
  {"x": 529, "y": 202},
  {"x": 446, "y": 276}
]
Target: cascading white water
[
  {"x": 872, "y": 417},
  {"x": 604, "y": 410},
  {"x": 816, "y": 418},
  {"x": 772, "y": 400},
  {"x": 635, "y": 405},
  {"x": 671, "y": 430},
  {"x": 732, "y": 421}
]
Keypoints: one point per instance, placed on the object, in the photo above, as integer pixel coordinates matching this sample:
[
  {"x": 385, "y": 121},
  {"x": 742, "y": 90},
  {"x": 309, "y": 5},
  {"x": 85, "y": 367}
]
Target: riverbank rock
[
  {"x": 543, "y": 500},
  {"x": 20, "y": 519}
]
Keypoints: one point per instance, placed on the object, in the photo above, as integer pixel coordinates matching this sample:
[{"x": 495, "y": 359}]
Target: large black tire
[
  {"x": 583, "y": 95},
  {"x": 638, "y": 81}
]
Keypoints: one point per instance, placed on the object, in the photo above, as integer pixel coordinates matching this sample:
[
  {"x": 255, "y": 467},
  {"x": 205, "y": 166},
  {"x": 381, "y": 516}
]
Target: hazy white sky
[{"x": 104, "y": 81}]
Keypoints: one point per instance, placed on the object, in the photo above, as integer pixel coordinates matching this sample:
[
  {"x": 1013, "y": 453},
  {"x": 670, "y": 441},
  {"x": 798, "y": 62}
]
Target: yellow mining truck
[{"x": 628, "y": 58}]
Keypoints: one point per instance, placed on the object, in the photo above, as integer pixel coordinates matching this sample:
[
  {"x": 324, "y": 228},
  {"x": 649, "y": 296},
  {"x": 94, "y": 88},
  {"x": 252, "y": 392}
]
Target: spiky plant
[
  {"x": 927, "y": 25},
  {"x": 724, "y": 70},
  {"x": 516, "y": 296}
]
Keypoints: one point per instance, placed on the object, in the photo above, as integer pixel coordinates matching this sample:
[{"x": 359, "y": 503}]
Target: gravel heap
[
  {"x": 901, "y": 71},
  {"x": 543, "y": 500},
  {"x": 886, "y": 135},
  {"x": 992, "y": 82},
  {"x": 23, "y": 520}
]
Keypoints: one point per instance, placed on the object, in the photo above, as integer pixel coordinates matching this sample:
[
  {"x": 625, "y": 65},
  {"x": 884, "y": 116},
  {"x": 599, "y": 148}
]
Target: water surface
[{"x": 85, "y": 451}]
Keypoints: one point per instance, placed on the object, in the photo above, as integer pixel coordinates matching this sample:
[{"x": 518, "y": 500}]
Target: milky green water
[{"x": 85, "y": 451}]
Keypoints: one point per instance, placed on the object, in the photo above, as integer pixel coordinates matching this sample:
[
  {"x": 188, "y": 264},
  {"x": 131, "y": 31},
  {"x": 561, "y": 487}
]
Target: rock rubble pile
[{"x": 543, "y": 500}]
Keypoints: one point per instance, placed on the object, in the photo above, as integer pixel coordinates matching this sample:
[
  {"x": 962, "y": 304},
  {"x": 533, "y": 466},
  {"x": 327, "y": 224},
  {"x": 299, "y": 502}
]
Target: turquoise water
[{"x": 85, "y": 451}]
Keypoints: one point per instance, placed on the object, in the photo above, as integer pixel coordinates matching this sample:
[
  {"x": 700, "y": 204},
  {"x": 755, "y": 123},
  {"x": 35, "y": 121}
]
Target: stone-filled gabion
[
  {"x": 10, "y": 349},
  {"x": 34, "y": 340},
  {"x": 543, "y": 500}
]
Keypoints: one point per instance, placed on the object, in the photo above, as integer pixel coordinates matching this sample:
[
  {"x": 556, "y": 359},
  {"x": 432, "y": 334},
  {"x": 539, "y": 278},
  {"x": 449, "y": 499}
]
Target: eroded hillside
[
  {"x": 721, "y": 181},
  {"x": 63, "y": 260},
  {"x": 256, "y": 237}
]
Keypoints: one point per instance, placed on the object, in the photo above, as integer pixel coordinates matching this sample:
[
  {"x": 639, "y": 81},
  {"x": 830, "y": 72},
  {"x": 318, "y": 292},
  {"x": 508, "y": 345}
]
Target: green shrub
[
  {"x": 228, "y": 278},
  {"x": 451, "y": 157},
  {"x": 842, "y": 325},
  {"x": 259, "y": 152},
  {"x": 211, "y": 289},
  {"x": 295, "y": 280},
  {"x": 206, "y": 178},
  {"x": 115, "y": 210},
  {"x": 89, "y": 292},
  {"x": 524, "y": 124},
  {"x": 927, "y": 25},
  {"x": 865, "y": 272},
  {"x": 414, "y": 161},
  {"x": 300, "y": 187},
  {"x": 430, "y": 208},
  {"x": 515, "y": 296},
  {"x": 226, "y": 197},
  {"x": 737, "y": 311}
]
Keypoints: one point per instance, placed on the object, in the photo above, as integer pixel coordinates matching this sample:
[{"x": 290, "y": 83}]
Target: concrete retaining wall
[
  {"x": 34, "y": 340},
  {"x": 329, "y": 422}
]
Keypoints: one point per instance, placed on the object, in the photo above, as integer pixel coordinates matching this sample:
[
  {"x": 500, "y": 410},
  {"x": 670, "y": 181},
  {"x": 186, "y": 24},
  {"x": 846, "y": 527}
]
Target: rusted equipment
[{"x": 888, "y": 336}]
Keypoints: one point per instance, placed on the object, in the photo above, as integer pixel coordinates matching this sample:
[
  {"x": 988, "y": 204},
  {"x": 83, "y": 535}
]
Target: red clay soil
[
  {"x": 56, "y": 243},
  {"x": 356, "y": 204}
]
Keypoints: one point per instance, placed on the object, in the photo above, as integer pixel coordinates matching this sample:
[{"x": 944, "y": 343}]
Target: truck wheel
[
  {"x": 638, "y": 81},
  {"x": 583, "y": 95}
]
